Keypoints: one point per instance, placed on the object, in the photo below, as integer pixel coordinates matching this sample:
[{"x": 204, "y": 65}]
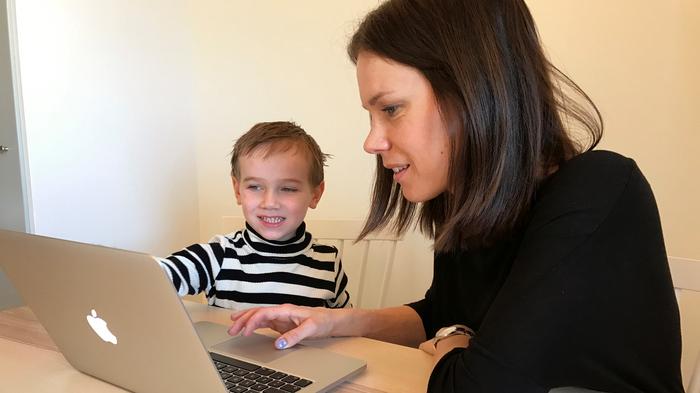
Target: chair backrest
[
  {"x": 368, "y": 263},
  {"x": 686, "y": 280}
]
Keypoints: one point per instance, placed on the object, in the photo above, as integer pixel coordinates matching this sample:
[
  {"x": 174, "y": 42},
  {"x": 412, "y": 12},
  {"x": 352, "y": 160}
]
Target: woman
[{"x": 549, "y": 268}]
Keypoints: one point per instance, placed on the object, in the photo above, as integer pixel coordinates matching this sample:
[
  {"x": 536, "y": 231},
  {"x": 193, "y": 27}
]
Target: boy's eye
[
  {"x": 289, "y": 189},
  {"x": 254, "y": 187}
]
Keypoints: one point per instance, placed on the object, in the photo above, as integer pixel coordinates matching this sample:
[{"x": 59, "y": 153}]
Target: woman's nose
[{"x": 376, "y": 141}]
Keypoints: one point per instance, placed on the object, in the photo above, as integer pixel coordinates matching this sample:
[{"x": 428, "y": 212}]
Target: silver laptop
[{"x": 115, "y": 315}]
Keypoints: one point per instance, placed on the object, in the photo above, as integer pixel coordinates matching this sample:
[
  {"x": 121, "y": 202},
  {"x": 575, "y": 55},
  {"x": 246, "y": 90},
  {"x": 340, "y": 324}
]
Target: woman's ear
[{"x": 316, "y": 196}]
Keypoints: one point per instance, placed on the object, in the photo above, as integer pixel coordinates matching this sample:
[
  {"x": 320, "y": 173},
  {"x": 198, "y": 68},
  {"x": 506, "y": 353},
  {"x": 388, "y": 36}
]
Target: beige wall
[
  {"x": 639, "y": 61},
  {"x": 277, "y": 60},
  {"x": 147, "y": 100},
  {"x": 270, "y": 60}
]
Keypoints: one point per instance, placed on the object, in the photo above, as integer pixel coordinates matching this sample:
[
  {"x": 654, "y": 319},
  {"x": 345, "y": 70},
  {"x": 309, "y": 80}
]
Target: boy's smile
[{"x": 274, "y": 190}]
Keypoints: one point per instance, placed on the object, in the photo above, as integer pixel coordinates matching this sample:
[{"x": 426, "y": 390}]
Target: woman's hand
[
  {"x": 444, "y": 346},
  {"x": 294, "y": 322},
  {"x": 398, "y": 325}
]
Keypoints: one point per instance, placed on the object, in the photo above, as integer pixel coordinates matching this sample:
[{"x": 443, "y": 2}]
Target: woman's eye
[{"x": 390, "y": 109}]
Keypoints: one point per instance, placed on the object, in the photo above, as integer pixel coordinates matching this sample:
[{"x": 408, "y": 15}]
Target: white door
[{"x": 12, "y": 207}]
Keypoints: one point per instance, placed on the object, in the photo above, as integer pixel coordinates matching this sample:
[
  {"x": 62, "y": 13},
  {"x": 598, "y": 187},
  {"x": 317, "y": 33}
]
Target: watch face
[
  {"x": 448, "y": 330},
  {"x": 444, "y": 332}
]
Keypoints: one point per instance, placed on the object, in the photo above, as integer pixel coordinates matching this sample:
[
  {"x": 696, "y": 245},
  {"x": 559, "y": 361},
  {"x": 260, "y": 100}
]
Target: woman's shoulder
[
  {"x": 598, "y": 166},
  {"x": 598, "y": 172},
  {"x": 592, "y": 182}
]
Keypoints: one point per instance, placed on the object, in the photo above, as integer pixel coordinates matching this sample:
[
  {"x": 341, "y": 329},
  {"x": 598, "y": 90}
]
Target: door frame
[{"x": 20, "y": 128}]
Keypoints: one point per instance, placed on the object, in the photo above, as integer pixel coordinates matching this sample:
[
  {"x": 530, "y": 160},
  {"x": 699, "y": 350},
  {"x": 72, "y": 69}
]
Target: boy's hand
[{"x": 294, "y": 322}]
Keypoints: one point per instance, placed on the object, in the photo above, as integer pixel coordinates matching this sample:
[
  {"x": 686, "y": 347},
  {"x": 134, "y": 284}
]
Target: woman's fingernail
[{"x": 281, "y": 343}]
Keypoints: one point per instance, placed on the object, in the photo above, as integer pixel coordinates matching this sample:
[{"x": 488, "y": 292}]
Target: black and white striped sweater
[{"x": 243, "y": 270}]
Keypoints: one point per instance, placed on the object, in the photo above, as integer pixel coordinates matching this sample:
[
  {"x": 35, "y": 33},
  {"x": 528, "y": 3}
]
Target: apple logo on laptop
[{"x": 99, "y": 325}]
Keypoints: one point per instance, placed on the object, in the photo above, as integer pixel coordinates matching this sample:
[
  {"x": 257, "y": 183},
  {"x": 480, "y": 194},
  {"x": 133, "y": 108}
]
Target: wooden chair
[
  {"x": 686, "y": 280},
  {"x": 368, "y": 263}
]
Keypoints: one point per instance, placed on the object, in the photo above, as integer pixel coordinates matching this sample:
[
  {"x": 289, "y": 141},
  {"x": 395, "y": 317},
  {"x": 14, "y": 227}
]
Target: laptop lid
[{"x": 115, "y": 315}]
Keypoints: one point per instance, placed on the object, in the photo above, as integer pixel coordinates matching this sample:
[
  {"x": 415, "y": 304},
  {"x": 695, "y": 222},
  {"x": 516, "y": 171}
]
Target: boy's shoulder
[
  {"x": 324, "y": 249},
  {"x": 228, "y": 238},
  {"x": 321, "y": 248}
]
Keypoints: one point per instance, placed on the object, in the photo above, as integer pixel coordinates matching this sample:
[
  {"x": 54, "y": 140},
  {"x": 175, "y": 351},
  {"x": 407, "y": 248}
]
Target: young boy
[{"x": 277, "y": 173}]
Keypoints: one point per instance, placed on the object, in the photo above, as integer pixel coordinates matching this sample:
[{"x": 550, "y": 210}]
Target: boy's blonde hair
[{"x": 280, "y": 136}]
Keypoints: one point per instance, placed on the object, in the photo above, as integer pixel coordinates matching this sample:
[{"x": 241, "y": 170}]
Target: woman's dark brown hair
[{"x": 507, "y": 109}]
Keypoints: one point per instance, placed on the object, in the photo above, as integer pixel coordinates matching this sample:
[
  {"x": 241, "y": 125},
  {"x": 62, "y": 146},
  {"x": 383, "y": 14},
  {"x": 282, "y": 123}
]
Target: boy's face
[{"x": 274, "y": 192}]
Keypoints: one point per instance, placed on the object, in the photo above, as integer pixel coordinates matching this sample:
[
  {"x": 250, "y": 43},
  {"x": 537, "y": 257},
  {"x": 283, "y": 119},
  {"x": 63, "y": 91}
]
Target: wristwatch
[{"x": 453, "y": 330}]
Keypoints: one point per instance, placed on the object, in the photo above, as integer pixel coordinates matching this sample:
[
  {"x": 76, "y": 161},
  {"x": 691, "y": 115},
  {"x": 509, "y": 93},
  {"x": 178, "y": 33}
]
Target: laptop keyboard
[{"x": 240, "y": 376}]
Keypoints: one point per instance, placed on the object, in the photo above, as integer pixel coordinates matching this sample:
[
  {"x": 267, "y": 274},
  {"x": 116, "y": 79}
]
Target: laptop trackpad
[
  {"x": 211, "y": 333},
  {"x": 256, "y": 347}
]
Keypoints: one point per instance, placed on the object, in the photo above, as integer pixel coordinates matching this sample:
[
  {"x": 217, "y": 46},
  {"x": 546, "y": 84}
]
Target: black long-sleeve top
[{"x": 580, "y": 296}]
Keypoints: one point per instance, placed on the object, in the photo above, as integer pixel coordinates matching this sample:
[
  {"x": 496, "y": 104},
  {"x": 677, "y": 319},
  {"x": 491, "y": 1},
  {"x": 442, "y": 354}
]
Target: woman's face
[{"x": 406, "y": 129}]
